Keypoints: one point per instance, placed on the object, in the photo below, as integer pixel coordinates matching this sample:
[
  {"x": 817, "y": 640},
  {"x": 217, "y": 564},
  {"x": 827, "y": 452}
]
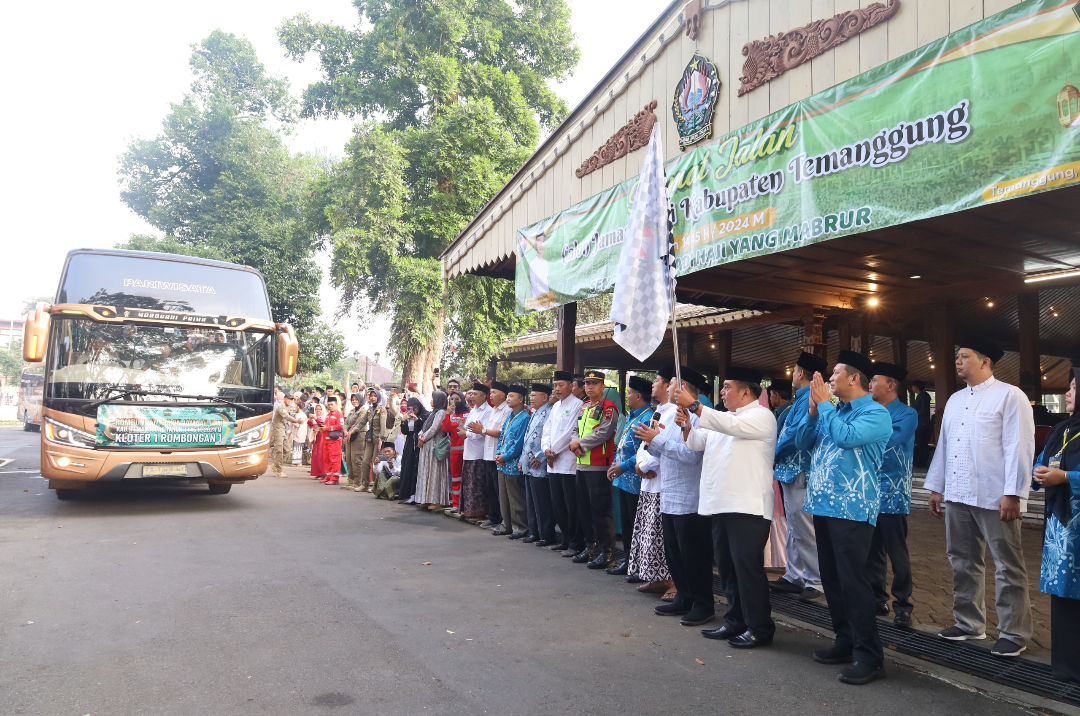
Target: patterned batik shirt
[
  {"x": 626, "y": 451},
  {"x": 849, "y": 441},
  {"x": 790, "y": 460},
  {"x": 533, "y": 435},
  {"x": 895, "y": 473}
]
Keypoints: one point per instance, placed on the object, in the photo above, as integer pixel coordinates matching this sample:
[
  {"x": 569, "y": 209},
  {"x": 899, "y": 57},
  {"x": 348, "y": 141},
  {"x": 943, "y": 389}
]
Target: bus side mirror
[
  {"x": 288, "y": 351},
  {"x": 35, "y": 334}
]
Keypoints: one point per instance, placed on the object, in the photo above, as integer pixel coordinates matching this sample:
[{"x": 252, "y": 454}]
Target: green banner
[
  {"x": 140, "y": 426},
  {"x": 986, "y": 114}
]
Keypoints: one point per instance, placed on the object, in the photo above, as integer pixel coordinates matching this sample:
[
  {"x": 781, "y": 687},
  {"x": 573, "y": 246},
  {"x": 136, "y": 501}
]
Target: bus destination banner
[
  {"x": 148, "y": 426},
  {"x": 984, "y": 115}
]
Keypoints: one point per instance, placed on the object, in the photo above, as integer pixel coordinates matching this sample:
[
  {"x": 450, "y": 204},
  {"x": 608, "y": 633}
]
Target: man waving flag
[{"x": 644, "y": 285}]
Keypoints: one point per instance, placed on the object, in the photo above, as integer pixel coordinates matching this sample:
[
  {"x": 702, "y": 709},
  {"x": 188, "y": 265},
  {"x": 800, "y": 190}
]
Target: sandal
[
  {"x": 669, "y": 595},
  {"x": 655, "y": 587}
]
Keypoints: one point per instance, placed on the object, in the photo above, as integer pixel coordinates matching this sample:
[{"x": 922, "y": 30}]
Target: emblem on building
[{"x": 695, "y": 101}]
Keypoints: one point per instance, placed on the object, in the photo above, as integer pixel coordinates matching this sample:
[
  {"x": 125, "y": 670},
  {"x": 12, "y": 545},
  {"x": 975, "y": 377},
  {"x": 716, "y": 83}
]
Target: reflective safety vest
[{"x": 589, "y": 417}]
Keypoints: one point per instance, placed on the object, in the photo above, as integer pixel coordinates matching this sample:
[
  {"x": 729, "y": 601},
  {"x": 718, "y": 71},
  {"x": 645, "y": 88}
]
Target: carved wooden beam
[
  {"x": 633, "y": 135},
  {"x": 775, "y": 55},
  {"x": 692, "y": 18}
]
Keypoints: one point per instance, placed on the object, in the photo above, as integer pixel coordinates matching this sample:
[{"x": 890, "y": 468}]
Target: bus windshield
[{"x": 90, "y": 361}]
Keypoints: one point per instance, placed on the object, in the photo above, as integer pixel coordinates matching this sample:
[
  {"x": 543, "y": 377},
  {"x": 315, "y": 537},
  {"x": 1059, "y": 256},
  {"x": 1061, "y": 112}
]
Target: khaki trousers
[
  {"x": 359, "y": 454},
  {"x": 279, "y": 453}
]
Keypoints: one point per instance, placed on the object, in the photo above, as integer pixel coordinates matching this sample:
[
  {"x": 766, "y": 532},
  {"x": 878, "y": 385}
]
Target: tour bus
[
  {"x": 31, "y": 383},
  {"x": 157, "y": 369}
]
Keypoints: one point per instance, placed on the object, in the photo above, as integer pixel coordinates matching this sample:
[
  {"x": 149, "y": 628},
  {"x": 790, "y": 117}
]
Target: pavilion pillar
[
  {"x": 866, "y": 337},
  {"x": 622, "y": 388},
  {"x": 899, "y": 356},
  {"x": 843, "y": 333},
  {"x": 723, "y": 352},
  {"x": 687, "y": 343},
  {"x": 943, "y": 343},
  {"x": 813, "y": 338},
  {"x": 566, "y": 317},
  {"x": 1027, "y": 309}
]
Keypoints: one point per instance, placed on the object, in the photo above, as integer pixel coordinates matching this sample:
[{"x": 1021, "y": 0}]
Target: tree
[
  {"x": 452, "y": 96},
  {"x": 11, "y": 362},
  {"x": 220, "y": 183}
]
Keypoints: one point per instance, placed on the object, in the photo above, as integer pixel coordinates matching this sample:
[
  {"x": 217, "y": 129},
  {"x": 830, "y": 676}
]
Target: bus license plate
[{"x": 164, "y": 471}]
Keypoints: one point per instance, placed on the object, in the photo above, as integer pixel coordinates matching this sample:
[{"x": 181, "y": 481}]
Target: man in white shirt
[
  {"x": 562, "y": 464},
  {"x": 491, "y": 429},
  {"x": 736, "y": 490},
  {"x": 473, "y": 469},
  {"x": 982, "y": 471}
]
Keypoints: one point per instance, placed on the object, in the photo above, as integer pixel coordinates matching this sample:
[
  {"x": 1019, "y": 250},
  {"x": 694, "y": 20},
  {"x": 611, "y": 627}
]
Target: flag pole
[{"x": 671, "y": 293}]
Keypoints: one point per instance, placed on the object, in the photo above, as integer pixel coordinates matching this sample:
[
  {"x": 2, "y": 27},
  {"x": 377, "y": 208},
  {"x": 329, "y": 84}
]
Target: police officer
[{"x": 593, "y": 441}]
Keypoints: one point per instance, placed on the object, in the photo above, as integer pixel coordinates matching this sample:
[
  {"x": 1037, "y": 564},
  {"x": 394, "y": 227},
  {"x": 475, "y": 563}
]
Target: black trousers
[
  {"x": 739, "y": 548},
  {"x": 491, "y": 491},
  {"x": 921, "y": 456},
  {"x": 541, "y": 516},
  {"x": 843, "y": 546},
  {"x": 627, "y": 512},
  {"x": 688, "y": 548},
  {"x": 1064, "y": 634},
  {"x": 584, "y": 509},
  {"x": 564, "y": 504},
  {"x": 601, "y": 519},
  {"x": 890, "y": 545}
]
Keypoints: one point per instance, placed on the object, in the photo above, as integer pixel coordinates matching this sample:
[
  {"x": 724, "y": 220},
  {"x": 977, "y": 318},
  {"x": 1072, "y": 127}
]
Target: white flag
[{"x": 641, "y": 307}]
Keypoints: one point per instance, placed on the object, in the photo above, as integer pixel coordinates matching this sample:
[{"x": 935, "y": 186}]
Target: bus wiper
[{"x": 214, "y": 398}]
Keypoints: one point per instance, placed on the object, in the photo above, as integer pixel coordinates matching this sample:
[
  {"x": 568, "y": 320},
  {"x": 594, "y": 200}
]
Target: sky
[{"x": 84, "y": 79}]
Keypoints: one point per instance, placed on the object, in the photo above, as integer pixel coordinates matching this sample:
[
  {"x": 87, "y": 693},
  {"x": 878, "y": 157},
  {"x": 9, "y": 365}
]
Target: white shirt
[
  {"x": 495, "y": 420},
  {"x": 474, "y": 442},
  {"x": 986, "y": 447},
  {"x": 558, "y": 431},
  {"x": 737, "y": 470},
  {"x": 648, "y": 463}
]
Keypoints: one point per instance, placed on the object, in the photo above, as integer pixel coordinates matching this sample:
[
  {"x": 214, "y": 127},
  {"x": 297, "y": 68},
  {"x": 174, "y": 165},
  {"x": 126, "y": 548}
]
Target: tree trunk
[{"x": 420, "y": 368}]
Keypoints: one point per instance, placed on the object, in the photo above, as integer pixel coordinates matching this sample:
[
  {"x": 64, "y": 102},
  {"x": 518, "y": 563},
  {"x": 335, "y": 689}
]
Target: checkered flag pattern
[{"x": 641, "y": 307}]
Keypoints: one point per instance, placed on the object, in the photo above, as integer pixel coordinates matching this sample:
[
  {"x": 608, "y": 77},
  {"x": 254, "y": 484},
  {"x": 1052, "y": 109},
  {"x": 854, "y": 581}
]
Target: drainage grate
[{"x": 1018, "y": 673}]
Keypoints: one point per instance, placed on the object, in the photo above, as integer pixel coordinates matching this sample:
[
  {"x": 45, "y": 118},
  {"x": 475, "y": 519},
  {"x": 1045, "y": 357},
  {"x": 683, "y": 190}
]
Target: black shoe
[
  {"x": 956, "y": 633},
  {"x": 581, "y": 557},
  {"x": 529, "y": 539},
  {"x": 860, "y": 673},
  {"x": 882, "y": 610},
  {"x": 832, "y": 655},
  {"x": 561, "y": 547},
  {"x": 672, "y": 609},
  {"x": 782, "y": 585},
  {"x": 634, "y": 579},
  {"x": 722, "y": 634},
  {"x": 516, "y": 535},
  {"x": 697, "y": 617},
  {"x": 1004, "y": 647},
  {"x": 499, "y": 532},
  {"x": 619, "y": 569},
  {"x": 602, "y": 561},
  {"x": 746, "y": 640},
  {"x": 902, "y": 620},
  {"x": 810, "y": 596}
]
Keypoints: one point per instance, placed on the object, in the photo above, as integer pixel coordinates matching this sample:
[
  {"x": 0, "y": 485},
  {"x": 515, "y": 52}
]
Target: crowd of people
[{"x": 698, "y": 487}]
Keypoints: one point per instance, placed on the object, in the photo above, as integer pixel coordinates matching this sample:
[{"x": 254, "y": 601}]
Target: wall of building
[{"x": 548, "y": 184}]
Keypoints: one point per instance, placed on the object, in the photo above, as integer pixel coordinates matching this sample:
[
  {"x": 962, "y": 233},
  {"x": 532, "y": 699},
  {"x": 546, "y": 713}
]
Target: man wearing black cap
[
  {"x": 982, "y": 471},
  {"x": 849, "y": 441},
  {"x": 533, "y": 464},
  {"x": 593, "y": 442},
  {"x": 890, "y": 533},
  {"x": 791, "y": 463},
  {"x": 507, "y": 458},
  {"x": 491, "y": 429},
  {"x": 562, "y": 464},
  {"x": 737, "y": 494},
  {"x": 622, "y": 472},
  {"x": 471, "y": 505},
  {"x": 687, "y": 535}
]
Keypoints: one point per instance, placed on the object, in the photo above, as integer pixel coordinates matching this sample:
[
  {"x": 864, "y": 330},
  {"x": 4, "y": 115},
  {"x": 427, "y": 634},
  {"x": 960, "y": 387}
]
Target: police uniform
[
  {"x": 280, "y": 453},
  {"x": 595, "y": 433}
]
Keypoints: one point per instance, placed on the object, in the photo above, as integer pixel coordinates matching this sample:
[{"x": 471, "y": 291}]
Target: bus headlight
[
  {"x": 251, "y": 438},
  {"x": 66, "y": 435}
]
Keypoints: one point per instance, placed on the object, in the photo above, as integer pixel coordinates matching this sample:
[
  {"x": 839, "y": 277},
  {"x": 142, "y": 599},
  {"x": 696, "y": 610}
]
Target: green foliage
[
  {"x": 220, "y": 183},
  {"x": 325, "y": 348},
  {"x": 452, "y": 96},
  {"x": 11, "y": 362}
]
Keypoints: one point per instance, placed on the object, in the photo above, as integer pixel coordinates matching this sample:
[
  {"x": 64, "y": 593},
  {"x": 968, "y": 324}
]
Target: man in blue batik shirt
[
  {"x": 533, "y": 464},
  {"x": 791, "y": 463},
  {"x": 890, "y": 534},
  {"x": 622, "y": 472},
  {"x": 849, "y": 442},
  {"x": 508, "y": 451}
]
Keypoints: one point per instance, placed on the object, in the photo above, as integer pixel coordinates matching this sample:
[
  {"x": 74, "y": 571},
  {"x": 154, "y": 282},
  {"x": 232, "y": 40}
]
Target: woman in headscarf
[
  {"x": 410, "y": 451},
  {"x": 318, "y": 445},
  {"x": 354, "y": 441},
  {"x": 433, "y": 481},
  {"x": 455, "y": 419},
  {"x": 1058, "y": 472}
]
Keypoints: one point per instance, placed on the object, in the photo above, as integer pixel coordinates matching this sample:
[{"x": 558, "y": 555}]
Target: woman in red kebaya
[
  {"x": 334, "y": 427},
  {"x": 318, "y": 446}
]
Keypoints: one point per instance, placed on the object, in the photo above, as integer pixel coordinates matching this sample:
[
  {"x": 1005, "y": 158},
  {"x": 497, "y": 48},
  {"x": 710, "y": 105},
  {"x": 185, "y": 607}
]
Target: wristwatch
[{"x": 694, "y": 407}]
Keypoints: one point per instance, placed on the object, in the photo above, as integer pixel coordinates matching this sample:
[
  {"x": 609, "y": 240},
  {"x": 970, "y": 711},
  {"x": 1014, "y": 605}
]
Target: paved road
[{"x": 288, "y": 597}]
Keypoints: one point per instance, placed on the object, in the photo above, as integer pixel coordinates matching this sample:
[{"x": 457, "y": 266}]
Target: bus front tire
[{"x": 219, "y": 488}]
